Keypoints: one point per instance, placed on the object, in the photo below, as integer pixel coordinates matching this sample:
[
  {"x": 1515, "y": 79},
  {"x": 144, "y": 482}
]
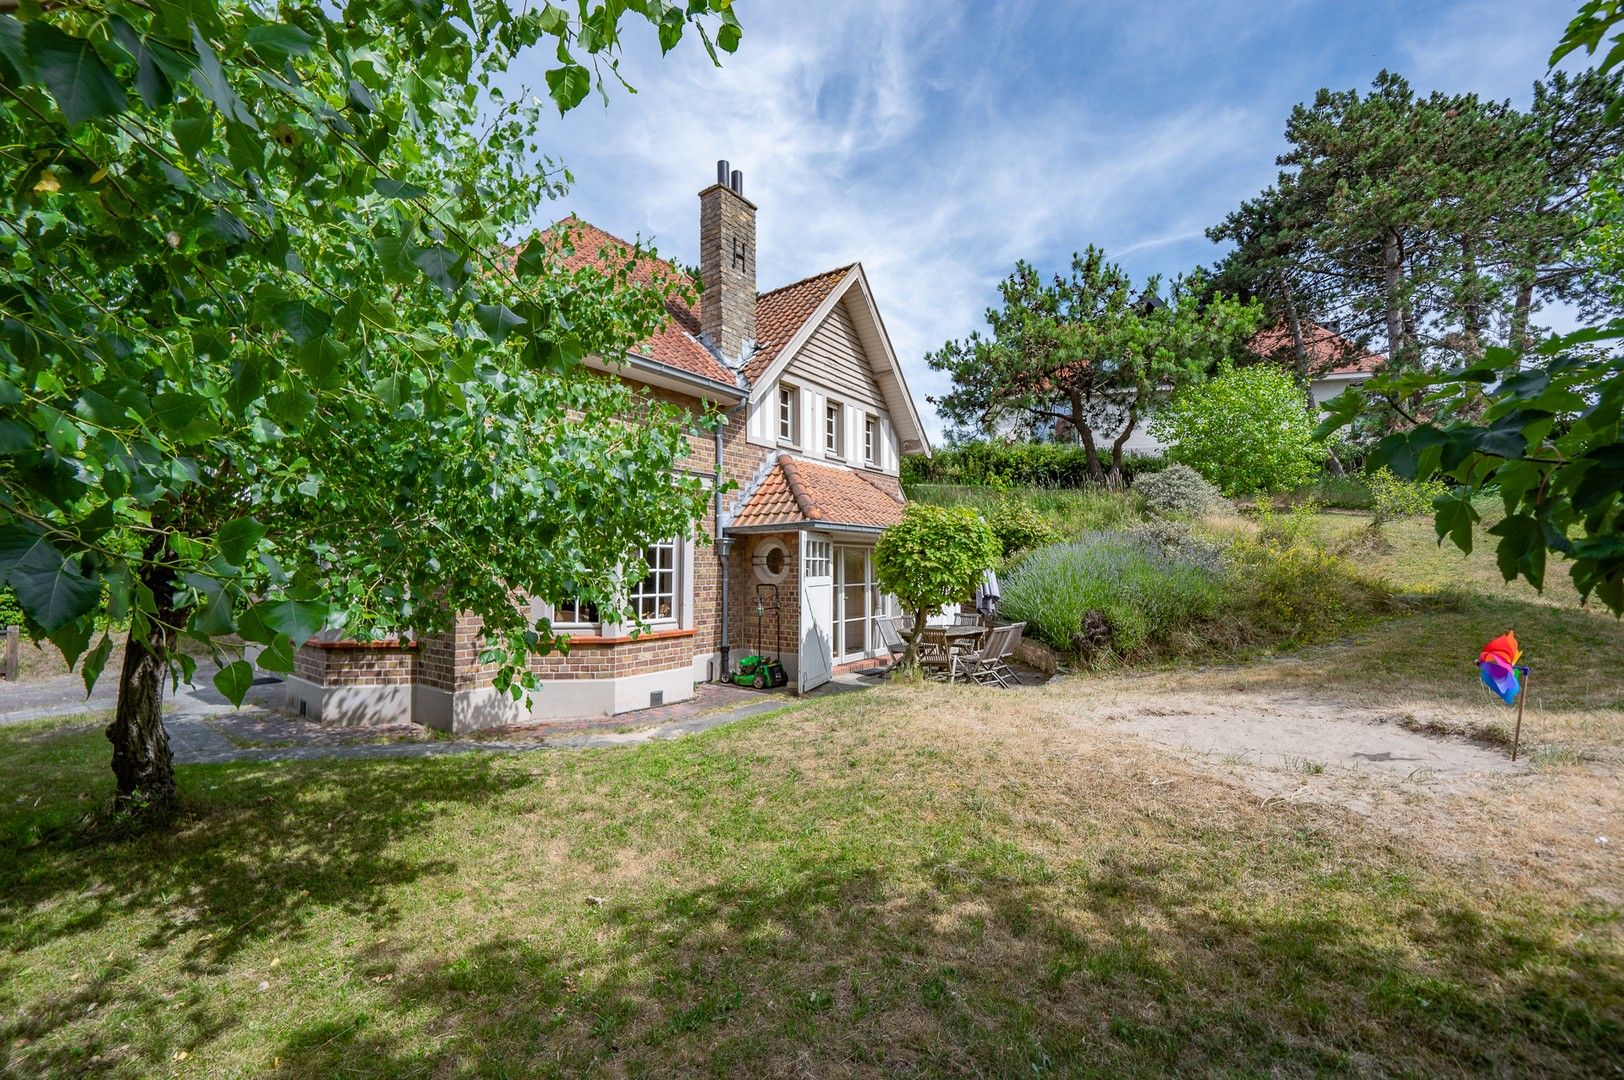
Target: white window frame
[
  {"x": 820, "y": 559},
  {"x": 672, "y": 594},
  {"x": 789, "y": 414},
  {"x": 871, "y": 439},
  {"x": 552, "y": 615},
  {"x": 834, "y": 430}
]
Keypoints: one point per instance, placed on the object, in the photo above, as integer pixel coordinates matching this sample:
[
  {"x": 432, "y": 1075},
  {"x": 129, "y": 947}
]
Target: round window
[{"x": 771, "y": 560}]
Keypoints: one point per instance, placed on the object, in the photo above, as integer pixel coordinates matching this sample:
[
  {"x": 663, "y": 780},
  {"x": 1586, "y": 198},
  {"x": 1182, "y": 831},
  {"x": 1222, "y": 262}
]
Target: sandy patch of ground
[
  {"x": 1541, "y": 823},
  {"x": 1295, "y": 746}
]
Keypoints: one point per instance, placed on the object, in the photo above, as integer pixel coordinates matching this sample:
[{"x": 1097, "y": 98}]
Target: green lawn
[{"x": 915, "y": 880}]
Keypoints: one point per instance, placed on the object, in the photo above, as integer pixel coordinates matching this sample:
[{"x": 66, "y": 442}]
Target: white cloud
[{"x": 937, "y": 143}]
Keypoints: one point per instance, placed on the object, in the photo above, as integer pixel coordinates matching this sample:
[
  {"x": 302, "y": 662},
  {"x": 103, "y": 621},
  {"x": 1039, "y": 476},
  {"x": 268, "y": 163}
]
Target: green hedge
[
  {"x": 10, "y": 613},
  {"x": 1043, "y": 465}
]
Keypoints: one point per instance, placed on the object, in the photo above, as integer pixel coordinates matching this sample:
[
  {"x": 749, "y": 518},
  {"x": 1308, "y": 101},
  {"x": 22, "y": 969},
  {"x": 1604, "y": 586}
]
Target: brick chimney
[{"x": 727, "y": 265}]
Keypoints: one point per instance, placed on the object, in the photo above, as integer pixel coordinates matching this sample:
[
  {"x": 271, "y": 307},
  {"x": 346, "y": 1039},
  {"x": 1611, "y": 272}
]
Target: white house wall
[{"x": 762, "y": 427}]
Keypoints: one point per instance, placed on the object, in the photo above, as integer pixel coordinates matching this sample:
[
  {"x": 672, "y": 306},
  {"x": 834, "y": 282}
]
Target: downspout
[{"x": 723, "y": 544}]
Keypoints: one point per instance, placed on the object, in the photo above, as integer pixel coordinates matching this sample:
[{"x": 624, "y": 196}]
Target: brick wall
[
  {"x": 357, "y": 663},
  {"x": 742, "y": 597}
]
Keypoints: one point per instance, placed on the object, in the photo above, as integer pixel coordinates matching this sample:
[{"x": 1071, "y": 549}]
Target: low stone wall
[{"x": 1038, "y": 656}]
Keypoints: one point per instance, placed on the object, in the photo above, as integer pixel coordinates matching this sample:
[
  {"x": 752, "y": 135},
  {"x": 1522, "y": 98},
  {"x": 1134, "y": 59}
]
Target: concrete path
[
  {"x": 65, "y": 696},
  {"x": 193, "y": 742}
]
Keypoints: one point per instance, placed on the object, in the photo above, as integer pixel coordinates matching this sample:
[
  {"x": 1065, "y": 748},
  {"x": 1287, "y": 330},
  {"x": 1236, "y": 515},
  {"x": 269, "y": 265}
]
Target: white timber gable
[{"x": 836, "y": 392}]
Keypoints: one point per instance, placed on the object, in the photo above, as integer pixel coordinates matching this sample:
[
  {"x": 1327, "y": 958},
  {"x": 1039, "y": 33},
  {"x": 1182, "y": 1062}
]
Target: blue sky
[{"x": 937, "y": 142}]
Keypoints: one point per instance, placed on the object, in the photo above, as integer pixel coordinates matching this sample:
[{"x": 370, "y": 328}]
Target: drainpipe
[{"x": 723, "y": 545}]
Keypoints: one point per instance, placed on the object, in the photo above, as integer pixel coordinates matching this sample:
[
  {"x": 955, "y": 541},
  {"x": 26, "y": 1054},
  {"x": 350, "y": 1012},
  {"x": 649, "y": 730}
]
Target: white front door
[{"x": 815, "y": 662}]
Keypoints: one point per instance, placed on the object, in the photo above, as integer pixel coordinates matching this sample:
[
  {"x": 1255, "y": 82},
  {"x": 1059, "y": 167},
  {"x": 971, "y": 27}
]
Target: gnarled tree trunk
[
  {"x": 141, "y": 759},
  {"x": 1085, "y": 434},
  {"x": 1115, "y": 481}
]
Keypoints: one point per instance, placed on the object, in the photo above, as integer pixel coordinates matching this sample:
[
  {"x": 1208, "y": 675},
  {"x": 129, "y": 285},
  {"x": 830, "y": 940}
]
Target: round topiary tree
[
  {"x": 1245, "y": 430},
  {"x": 931, "y": 558}
]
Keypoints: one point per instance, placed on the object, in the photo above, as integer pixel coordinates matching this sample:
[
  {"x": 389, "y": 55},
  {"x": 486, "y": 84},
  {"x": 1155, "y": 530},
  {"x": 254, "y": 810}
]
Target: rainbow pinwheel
[{"x": 1498, "y": 664}]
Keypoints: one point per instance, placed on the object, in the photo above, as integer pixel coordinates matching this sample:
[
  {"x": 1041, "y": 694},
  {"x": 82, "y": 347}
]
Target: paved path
[
  {"x": 65, "y": 696},
  {"x": 193, "y": 742}
]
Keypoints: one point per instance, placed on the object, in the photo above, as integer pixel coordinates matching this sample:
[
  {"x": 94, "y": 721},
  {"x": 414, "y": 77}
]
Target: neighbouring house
[
  {"x": 818, "y": 416},
  {"x": 1334, "y": 364}
]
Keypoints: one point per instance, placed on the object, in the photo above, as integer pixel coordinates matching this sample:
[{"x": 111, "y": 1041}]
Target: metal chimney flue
[
  {"x": 738, "y": 182},
  {"x": 721, "y": 172}
]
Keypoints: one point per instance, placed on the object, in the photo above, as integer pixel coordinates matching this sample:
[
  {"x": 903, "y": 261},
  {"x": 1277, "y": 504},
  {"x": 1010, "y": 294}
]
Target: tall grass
[
  {"x": 1071, "y": 511},
  {"x": 1142, "y": 591}
]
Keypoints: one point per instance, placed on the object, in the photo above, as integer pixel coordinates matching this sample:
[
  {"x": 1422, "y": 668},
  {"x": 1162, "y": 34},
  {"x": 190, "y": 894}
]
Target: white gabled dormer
[{"x": 835, "y": 391}]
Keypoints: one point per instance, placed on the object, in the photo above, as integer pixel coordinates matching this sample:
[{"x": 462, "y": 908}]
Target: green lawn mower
[{"x": 759, "y": 671}]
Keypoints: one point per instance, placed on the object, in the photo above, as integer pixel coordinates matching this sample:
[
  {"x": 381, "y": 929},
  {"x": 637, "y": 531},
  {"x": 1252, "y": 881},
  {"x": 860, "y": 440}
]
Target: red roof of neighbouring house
[
  {"x": 797, "y": 491},
  {"x": 780, "y": 313},
  {"x": 1329, "y": 353}
]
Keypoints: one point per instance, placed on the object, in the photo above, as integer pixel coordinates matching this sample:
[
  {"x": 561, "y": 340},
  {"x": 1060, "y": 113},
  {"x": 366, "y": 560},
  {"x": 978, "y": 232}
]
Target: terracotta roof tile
[
  {"x": 799, "y": 492},
  {"x": 675, "y": 344},
  {"x": 782, "y": 311},
  {"x": 1329, "y": 353}
]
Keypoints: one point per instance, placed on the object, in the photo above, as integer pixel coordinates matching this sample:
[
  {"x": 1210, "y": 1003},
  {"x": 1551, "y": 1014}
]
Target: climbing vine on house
[{"x": 266, "y": 367}]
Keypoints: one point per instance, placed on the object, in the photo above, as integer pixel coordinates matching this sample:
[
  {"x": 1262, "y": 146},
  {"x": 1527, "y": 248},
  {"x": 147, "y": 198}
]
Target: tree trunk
[
  {"x": 1392, "y": 271},
  {"x": 1295, "y": 323},
  {"x": 910, "y": 655},
  {"x": 1114, "y": 481},
  {"x": 1519, "y": 316},
  {"x": 1085, "y": 435},
  {"x": 1472, "y": 305},
  {"x": 141, "y": 758}
]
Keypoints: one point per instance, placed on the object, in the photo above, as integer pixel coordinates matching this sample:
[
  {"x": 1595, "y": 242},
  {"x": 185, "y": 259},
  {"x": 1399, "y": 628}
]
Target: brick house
[{"x": 817, "y": 417}]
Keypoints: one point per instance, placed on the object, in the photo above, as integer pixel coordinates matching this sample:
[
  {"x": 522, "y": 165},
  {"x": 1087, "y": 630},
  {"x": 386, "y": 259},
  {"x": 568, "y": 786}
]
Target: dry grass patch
[{"x": 916, "y": 880}]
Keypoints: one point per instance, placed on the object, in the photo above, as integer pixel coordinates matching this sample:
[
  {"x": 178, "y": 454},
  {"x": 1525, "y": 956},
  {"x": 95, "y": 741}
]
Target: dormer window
[
  {"x": 834, "y": 434},
  {"x": 788, "y": 415},
  {"x": 871, "y": 440}
]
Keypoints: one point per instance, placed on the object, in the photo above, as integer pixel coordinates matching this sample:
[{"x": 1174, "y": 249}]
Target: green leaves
[
  {"x": 95, "y": 662},
  {"x": 303, "y": 320},
  {"x": 300, "y": 620},
  {"x": 211, "y": 79},
  {"x": 1454, "y": 518},
  {"x": 398, "y": 189},
  {"x": 49, "y": 587},
  {"x": 279, "y": 40},
  {"x": 1521, "y": 549},
  {"x": 497, "y": 320},
  {"x": 569, "y": 86},
  {"x": 234, "y": 679},
  {"x": 1244, "y": 430},
  {"x": 238, "y": 538},
  {"x": 83, "y": 86}
]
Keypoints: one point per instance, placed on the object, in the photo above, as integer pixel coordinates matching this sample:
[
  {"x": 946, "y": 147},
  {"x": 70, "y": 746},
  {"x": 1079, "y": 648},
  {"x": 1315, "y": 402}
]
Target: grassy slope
[
  {"x": 914, "y": 880},
  {"x": 1071, "y": 510}
]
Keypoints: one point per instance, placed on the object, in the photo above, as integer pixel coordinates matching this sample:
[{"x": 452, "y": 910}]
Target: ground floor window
[
  {"x": 654, "y": 598},
  {"x": 575, "y": 612},
  {"x": 655, "y": 595}
]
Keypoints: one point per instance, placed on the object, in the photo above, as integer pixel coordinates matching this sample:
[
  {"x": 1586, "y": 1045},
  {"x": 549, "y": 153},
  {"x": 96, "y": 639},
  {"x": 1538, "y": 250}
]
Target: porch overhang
[{"x": 804, "y": 526}]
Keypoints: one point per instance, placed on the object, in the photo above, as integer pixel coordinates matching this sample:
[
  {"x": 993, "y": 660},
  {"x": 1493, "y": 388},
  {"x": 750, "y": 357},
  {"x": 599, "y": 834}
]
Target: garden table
[{"x": 937, "y": 643}]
